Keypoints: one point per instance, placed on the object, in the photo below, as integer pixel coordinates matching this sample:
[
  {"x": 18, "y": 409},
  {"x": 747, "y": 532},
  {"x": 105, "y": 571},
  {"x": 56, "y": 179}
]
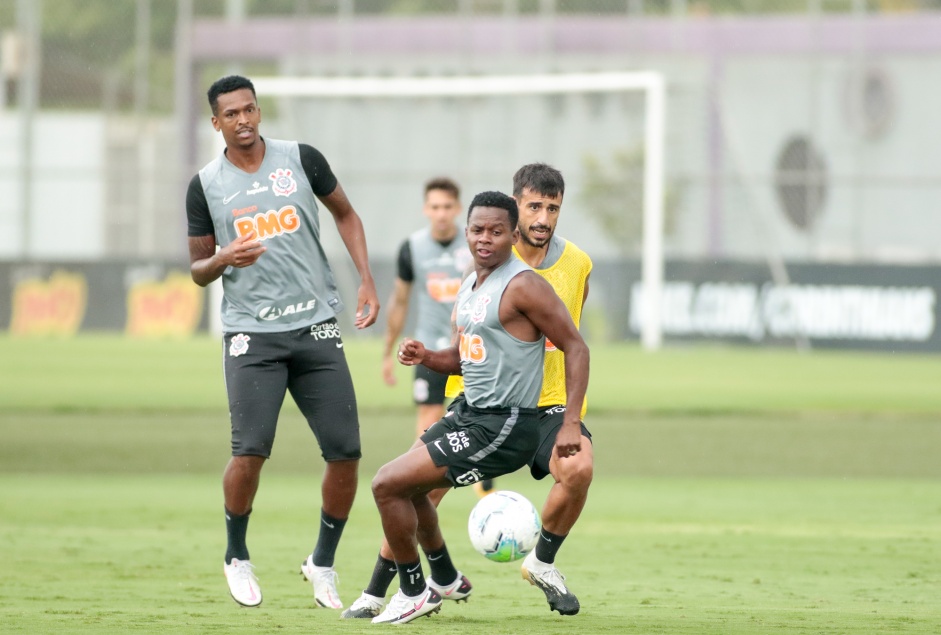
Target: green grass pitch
[{"x": 742, "y": 491}]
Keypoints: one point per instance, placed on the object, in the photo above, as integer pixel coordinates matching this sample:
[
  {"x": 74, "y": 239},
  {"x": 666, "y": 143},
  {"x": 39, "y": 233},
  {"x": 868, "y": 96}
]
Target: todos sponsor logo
[
  {"x": 458, "y": 441},
  {"x": 326, "y": 331}
]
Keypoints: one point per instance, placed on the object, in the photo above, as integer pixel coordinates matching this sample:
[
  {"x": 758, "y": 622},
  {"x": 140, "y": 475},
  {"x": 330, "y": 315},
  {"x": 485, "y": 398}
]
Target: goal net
[{"x": 386, "y": 136}]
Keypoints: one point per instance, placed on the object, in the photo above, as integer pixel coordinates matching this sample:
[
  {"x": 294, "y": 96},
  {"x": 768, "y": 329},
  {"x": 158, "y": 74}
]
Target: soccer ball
[{"x": 504, "y": 526}]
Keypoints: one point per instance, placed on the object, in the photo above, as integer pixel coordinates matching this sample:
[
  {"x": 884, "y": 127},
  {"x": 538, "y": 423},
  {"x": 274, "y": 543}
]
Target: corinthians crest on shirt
[
  {"x": 479, "y": 312},
  {"x": 283, "y": 183}
]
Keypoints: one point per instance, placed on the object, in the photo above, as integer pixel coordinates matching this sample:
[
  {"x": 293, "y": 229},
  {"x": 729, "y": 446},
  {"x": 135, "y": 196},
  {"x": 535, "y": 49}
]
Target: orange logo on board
[
  {"x": 172, "y": 307},
  {"x": 49, "y": 307}
]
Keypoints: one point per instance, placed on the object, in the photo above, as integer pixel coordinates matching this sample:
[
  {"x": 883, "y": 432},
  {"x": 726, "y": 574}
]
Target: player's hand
[
  {"x": 411, "y": 352},
  {"x": 388, "y": 370},
  {"x": 244, "y": 251},
  {"x": 568, "y": 441},
  {"x": 366, "y": 297}
]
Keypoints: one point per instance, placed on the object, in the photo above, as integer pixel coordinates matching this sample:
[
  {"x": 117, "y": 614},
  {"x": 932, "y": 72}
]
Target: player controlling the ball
[
  {"x": 504, "y": 314},
  {"x": 538, "y": 189}
]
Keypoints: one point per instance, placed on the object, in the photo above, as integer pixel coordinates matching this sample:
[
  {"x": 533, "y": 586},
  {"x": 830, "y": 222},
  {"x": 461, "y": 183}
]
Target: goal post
[{"x": 650, "y": 83}]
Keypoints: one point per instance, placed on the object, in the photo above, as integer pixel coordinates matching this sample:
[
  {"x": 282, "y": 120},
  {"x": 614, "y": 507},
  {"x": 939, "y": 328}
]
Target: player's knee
[
  {"x": 577, "y": 472},
  {"x": 385, "y": 485},
  {"x": 380, "y": 484}
]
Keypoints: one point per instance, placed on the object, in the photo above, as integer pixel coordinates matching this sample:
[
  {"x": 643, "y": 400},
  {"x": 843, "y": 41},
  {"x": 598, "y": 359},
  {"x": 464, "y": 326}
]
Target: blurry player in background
[
  {"x": 257, "y": 202},
  {"x": 431, "y": 261}
]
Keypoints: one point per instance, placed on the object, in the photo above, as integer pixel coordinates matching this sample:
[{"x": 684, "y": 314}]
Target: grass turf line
[
  {"x": 142, "y": 554},
  {"x": 107, "y": 372}
]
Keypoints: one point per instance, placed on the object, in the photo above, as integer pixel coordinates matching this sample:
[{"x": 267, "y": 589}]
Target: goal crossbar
[
  {"x": 650, "y": 83},
  {"x": 466, "y": 86}
]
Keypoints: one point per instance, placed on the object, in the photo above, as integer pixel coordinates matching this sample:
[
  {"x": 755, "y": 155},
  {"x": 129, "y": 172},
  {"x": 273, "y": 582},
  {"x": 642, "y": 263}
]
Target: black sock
[
  {"x": 548, "y": 546},
  {"x": 411, "y": 578},
  {"x": 330, "y": 531},
  {"x": 382, "y": 576},
  {"x": 235, "y": 528},
  {"x": 442, "y": 569}
]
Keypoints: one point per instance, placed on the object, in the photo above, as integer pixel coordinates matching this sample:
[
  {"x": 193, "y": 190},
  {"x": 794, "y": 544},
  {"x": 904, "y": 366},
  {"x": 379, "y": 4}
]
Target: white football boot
[
  {"x": 243, "y": 584},
  {"x": 324, "y": 580}
]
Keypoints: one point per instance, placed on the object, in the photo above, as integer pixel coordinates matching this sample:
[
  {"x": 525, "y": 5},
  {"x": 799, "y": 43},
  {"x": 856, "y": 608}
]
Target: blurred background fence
[{"x": 802, "y": 174}]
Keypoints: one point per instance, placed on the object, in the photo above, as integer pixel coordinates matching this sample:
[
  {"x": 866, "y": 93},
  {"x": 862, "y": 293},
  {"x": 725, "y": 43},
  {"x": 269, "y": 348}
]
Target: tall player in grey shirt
[
  {"x": 504, "y": 312},
  {"x": 258, "y": 203},
  {"x": 431, "y": 265}
]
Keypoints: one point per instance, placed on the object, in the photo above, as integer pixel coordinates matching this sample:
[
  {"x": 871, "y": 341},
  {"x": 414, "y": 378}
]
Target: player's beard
[{"x": 540, "y": 242}]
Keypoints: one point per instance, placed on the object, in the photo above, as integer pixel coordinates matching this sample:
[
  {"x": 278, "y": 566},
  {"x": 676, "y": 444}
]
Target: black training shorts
[
  {"x": 428, "y": 387},
  {"x": 550, "y": 420},
  {"x": 477, "y": 444},
  {"x": 310, "y": 363}
]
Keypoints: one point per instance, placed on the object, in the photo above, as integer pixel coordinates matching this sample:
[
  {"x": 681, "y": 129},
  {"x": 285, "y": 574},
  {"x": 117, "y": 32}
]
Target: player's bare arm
[
  {"x": 351, "y": 231},
  {"x": 455, "y": 329},
  {"x": 529, "y": 295},
  {"x": 207, "y": 264},
  {"x": 395, "y": 322},
  {"x": 446, "y": 361}
]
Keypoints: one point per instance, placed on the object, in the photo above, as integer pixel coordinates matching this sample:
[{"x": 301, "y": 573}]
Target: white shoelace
[
  {"x": 553, "y": 577},
  {"x": 245, "y": 571}
]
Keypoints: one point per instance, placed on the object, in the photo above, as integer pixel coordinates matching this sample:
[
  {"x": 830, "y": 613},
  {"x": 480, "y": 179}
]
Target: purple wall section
[{"x": 272, "y": 38}]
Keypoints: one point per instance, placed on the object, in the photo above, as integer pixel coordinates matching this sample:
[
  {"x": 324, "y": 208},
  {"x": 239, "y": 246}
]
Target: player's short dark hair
[
  {"x": 227, "y": 84},
  {"x": 496, "y": 199},
  {"x": 444, "y": 184},
  {"x": 541, "y": 178}
]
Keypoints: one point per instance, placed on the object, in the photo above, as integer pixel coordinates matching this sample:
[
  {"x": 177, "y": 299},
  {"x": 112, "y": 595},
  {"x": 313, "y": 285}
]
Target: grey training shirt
[
  {"x": 291, "y": 285},
  {"x": 500, "y": 371}
]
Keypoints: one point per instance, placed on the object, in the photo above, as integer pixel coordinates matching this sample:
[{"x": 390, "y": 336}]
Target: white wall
[{"x": 68, "y": 188}]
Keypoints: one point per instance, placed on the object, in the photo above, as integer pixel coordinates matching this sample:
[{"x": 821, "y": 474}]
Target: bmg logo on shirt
[
  {"x": 442, "y": 288},
  {"x": 269, "y": 224},
  {"x": 472, "y": 349}
]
